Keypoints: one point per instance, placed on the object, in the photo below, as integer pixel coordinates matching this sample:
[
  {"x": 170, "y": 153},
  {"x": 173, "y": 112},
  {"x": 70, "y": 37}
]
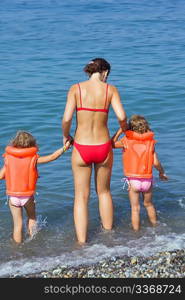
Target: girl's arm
[
  {"x": 114, "y": 139},
  {"x": 159, "y": 167},
  {"x": 54, "y": 155},
  {"x": 2, "y": 172},
  {"x": 68, "y": 113},
  {"x": 118, "y": 108},
  {"x": 117, "y": 134}
]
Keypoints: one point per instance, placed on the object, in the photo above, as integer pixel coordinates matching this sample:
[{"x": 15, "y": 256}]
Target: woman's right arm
[
  {"x": 68, "y": 113},
  {"x": 118, "y": 108}
]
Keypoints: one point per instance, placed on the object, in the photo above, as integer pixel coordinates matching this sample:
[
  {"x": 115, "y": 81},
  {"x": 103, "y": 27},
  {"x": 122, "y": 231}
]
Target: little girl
[
  {"x": 20, "y": 173},
  {"x": 139, "y": 156}
]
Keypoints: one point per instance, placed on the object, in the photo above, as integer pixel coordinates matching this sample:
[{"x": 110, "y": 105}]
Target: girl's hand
[
  {"x": 119, "y": 131},
  {"x": 67, "y": 146},
  {"x": 163, "y": 176}
]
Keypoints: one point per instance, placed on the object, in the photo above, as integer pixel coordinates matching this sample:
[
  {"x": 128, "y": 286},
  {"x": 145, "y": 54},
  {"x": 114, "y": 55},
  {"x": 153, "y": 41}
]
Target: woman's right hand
[{"x": 68, "y": 139}]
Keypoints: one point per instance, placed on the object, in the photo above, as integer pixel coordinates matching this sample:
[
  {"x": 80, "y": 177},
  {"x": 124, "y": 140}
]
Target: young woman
[{"x": 91, "y": 100}]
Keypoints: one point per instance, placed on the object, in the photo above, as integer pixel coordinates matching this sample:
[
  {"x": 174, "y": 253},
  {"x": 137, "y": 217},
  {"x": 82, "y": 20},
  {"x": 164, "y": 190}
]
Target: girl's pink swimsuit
[
  {"x": 93, "y": 153},
  {"x": 140, "y": 184},
  {"x": 19, "y": 201}
]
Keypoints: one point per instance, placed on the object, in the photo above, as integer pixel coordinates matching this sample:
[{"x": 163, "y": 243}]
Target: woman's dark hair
[{"x": 97, "y": 65}]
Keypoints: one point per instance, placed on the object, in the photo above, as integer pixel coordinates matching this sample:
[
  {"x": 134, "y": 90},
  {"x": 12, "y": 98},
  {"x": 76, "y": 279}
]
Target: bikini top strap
[
  {"x": 80, "y": 95},
  {"x": 106, "y": 97}
]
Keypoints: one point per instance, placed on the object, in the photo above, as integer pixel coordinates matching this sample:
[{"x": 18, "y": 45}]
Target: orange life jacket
[
  {"x": 20, "y": 170},
  {"x": 138, "y": 154}
]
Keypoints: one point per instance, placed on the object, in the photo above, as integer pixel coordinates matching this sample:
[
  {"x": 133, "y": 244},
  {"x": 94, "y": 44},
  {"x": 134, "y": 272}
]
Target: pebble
[
  {"x": 133, "y": 260},
  {"x": 57, "y": 271}
]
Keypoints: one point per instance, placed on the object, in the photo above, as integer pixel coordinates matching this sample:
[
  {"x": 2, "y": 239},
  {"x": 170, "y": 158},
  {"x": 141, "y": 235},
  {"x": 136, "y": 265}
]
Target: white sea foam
[
  {"x": 182, "y": 202},
  {"x": 41, "y": 223},
  {"x": 143, "y": 246}
]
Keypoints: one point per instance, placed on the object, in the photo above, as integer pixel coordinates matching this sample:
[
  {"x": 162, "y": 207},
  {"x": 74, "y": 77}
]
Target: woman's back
[{"x": 92, "y": 102}]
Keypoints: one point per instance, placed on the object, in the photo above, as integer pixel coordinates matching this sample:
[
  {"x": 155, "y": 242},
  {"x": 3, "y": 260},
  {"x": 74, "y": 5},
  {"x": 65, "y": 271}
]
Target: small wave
[
  {"x": 182, "y": 202},
  {"x": 90, "y": 254},
  {"x": 40, "y": 224}
]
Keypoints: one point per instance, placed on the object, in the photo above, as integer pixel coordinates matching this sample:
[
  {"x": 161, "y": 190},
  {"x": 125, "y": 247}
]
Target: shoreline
[{"x": 167, "y": 264}]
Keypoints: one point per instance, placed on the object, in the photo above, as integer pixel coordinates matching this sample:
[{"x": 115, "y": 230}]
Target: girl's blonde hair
[
  {"x": 23, "y": 139},
  {"x": 138, "y": 124}
]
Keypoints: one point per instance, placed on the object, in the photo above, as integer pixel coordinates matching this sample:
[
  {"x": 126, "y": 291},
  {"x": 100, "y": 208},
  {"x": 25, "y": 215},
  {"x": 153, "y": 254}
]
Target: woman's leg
[
  {"x": 147, "y": 198},
  {"x": 30, "y": 210},
  {"x": 102, "y": 181},
  {"x": 82, "y": 180},
  {"x": 17, "y": 222}
]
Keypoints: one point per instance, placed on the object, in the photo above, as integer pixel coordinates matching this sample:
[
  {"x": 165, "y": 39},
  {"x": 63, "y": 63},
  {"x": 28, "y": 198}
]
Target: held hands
[
  {"x": 66, "y": 146},
  {"x": 67, "y": 142},
  {"x": 66, "y": 139}
]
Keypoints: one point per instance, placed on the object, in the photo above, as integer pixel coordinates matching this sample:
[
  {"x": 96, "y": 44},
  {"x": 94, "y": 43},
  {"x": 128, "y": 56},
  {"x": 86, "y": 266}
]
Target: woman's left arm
[
  {"x": 118, "y": 108},
  {"x": 68, "y": 113}
]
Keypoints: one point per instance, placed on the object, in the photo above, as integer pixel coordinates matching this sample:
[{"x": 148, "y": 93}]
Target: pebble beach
[{"x": 167, "y": 264}]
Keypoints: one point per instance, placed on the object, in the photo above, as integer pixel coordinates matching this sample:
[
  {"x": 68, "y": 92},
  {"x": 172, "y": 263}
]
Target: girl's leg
[
  {"x": 82, "y": 180},
  {"x": 147, "y": 198},
  {"x": 30, "y": 210},
  {"x": 102, "y": 181},
  {"x": 17, "y": 222},
  {"x": 135, "y": 207}
]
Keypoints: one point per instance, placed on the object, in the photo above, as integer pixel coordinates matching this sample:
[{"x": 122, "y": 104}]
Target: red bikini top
[{"x": 93, "y": 109}]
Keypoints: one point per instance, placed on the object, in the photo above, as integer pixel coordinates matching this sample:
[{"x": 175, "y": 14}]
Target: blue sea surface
[{"x": 44, "y": 45}]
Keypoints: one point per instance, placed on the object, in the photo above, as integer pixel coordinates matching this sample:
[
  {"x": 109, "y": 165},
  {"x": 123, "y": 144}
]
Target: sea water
[{"x": 44, "y": 45}]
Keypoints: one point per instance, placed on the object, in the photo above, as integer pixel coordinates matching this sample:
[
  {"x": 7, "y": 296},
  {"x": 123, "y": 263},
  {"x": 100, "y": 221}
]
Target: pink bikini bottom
[
  {"x": 140, "y": 184},
  {"x": 19, "y": 201}
]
